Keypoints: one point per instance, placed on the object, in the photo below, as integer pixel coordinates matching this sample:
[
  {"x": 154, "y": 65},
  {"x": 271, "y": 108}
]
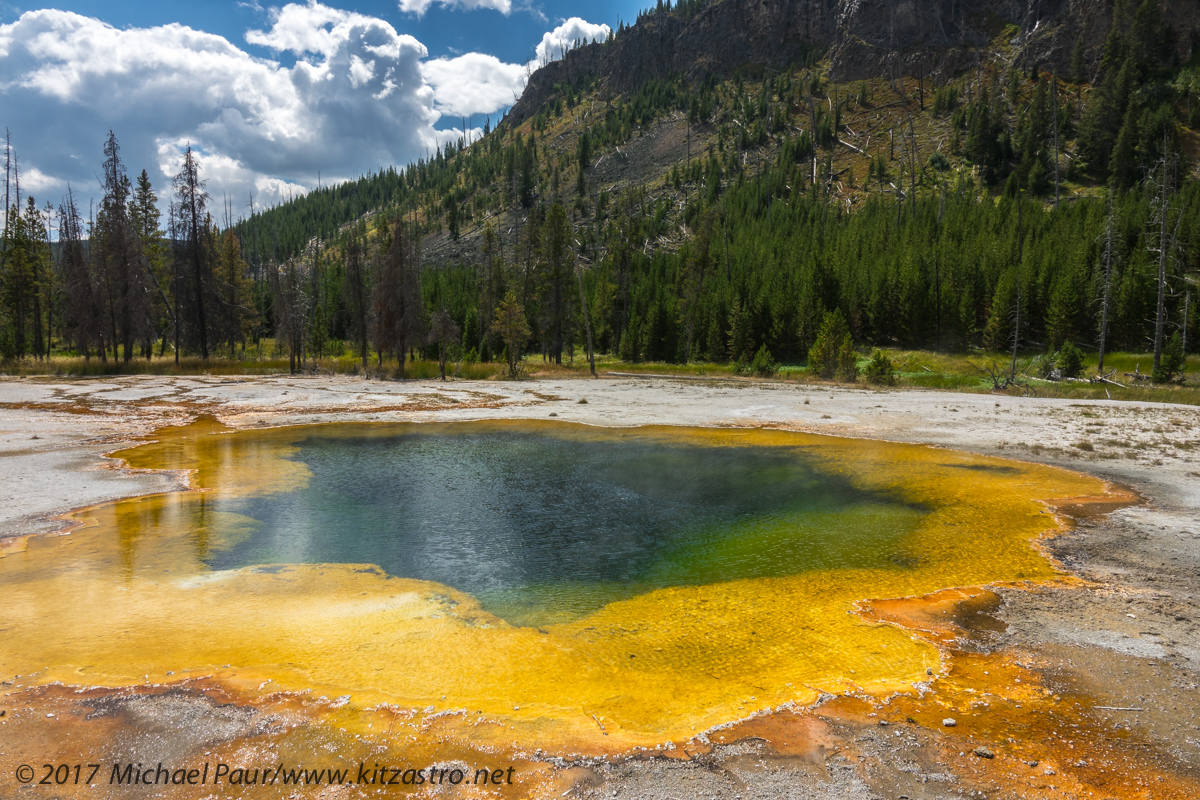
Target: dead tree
[
  {"x": 1163, "y": 249},
  {"x": 1108, "y": 257},
  {"x": 356, "y": 275},
  {"x": 396, "y": 299},
  {"x": 290, "y": 307},
  {"x": 1012, "y": 372},
  {"x": 442, "y": 331},
  {"x": 587, "y": 323}
]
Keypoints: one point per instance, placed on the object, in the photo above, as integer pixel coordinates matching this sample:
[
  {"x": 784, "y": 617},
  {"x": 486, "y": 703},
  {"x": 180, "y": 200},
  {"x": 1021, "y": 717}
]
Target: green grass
[
  {"x": 918, "y": 369},
  {"x": 929, "y": 370}
]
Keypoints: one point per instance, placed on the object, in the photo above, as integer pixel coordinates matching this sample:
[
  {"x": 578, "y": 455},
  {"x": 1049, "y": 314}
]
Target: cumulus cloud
[
  {"x": 475, "y": 83},
  {"x": 419, "y": 7},
  {"x": 357, "y": 96},
  {"x": 562, "y": 38}
]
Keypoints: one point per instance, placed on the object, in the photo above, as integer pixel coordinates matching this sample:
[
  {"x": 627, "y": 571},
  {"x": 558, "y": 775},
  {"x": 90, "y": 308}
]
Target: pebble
[
  {"x": 883, "y": 723},
  {"x": 949, "y": 723},
  {"x": 983, "y": 752},
  {"x": 1049, "y": 772}
]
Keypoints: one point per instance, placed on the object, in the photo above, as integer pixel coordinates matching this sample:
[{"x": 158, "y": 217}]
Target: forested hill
[
  {"x": 682, "y": 49},
  {"x": 721, "y": 195}
]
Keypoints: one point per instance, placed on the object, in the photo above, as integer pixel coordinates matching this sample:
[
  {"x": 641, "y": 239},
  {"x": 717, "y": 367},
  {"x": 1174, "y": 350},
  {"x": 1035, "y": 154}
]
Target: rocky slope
[{"x": 862, "y": 39}]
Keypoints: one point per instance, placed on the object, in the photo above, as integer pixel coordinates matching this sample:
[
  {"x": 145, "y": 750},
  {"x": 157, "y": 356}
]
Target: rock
[
  {"x": 883, "y": 723},
  {"x": 1049, "y": 772},
  {"x": 983, "y": 752},
  {"x": 948, "y": 722},
  {"x": 1032, "y": 763},
  {"x": 859, "y": 39}
]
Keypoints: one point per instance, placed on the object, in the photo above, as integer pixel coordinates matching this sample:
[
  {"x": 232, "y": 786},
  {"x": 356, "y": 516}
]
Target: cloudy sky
[{"x": 271, "y": 96}]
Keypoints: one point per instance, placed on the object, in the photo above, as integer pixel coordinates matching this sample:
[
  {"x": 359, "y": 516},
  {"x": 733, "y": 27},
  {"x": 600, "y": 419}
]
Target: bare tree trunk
[
  {"x": 199, "y": 277},
  {"x": 1187, "y": 310},
  {"x": 1012, "y": 372},
  {"x": 587, "y": 323},
  {"x": 1163, "y": 249},
  {"x": 1108, "y": 264},
  {"x": 1054, "y": 102}
]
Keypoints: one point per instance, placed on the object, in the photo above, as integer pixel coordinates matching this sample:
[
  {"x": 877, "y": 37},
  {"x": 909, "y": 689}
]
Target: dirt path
[{"x": 1129, "y": 639}]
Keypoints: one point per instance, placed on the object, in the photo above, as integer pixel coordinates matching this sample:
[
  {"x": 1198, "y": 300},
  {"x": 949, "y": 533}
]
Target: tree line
[
  {"x": 741, "y": 251},
  {"x": 116, "y": 285}
]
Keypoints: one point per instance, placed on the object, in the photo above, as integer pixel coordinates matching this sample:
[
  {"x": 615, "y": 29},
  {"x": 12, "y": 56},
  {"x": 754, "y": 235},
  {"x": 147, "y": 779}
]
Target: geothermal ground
[{"x": 1083, "y": 688}]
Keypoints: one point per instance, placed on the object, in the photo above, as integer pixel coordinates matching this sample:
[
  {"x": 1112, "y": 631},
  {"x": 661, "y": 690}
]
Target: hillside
[{"x": 780, "y": 160}]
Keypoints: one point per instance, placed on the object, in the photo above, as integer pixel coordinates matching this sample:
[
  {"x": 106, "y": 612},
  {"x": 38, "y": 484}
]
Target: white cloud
[
  {"x": 474, "y": 83},
  {"x": 38, "y": 183},
  {"x": 562, "y": 38},
  {"x": 419, "y": 7},
  {"x": 221, "y": 171},
  {"x": 359, "y": 96}
]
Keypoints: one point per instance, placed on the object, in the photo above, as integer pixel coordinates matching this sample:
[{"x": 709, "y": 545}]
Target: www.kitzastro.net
[{"x": 221, "y": 774}]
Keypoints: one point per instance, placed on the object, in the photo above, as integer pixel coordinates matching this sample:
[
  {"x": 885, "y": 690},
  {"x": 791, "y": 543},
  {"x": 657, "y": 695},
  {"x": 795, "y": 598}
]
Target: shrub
[
  {"x": 1171, "y": 365},
  {"x": 880, "y": 370},
  {"x": 1070, "y": 361},
  {"x": 832, "y": 354},
  {"x": 1045, "y": 366},
  {"x": 763, "y": 363}
]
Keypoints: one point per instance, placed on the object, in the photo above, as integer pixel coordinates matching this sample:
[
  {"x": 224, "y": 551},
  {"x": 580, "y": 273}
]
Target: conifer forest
[{"x": 753, "y": 218}]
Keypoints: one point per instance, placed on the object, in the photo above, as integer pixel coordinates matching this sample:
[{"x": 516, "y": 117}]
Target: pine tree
[
  {"x": 512, "y": 328},
  {"x": 118, "y": 252},
  {"x": 740, "y": 343},
  {"x": 194, "y": 252}
]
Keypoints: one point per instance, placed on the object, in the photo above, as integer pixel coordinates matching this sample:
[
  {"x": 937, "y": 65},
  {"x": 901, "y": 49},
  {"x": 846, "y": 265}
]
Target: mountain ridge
[{"x": 938, "y": 39}]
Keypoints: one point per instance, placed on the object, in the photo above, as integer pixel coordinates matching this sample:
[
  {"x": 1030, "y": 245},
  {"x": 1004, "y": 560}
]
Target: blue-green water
[{"x": 543, "y": 527}]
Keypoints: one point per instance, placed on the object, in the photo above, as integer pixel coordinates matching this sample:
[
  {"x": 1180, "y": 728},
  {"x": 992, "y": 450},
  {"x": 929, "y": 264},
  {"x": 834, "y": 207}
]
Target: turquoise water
[{"x": 543, "y": 527}]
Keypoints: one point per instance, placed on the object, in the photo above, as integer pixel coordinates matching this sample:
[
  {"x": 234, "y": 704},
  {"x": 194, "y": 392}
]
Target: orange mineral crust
[{"x": 367, "y": 654}]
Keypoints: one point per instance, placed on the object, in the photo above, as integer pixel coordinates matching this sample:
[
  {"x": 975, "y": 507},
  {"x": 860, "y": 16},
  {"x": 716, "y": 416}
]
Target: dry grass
[{"x": 917, "y": 369}]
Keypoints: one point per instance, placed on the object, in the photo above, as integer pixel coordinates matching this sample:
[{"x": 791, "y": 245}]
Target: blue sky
[
  {"x": 511, "y": 37},
  {"x": 270, "y": 95}
]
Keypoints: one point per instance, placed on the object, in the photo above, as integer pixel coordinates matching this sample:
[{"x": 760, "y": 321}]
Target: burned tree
[
  {"x": 442, "y": 331},
  {"x": 192, "y": 245},
  {"x": 396, "y": 300},
  {"x": 118, "y": 252}
]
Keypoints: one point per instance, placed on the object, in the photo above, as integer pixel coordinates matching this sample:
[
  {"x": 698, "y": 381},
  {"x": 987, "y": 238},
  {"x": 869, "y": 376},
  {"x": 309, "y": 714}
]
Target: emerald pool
[{"x": 543, "y": 527}]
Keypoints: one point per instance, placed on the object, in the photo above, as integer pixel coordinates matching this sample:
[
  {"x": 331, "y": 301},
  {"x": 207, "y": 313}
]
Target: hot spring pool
[{"x": 652, "y": 581}]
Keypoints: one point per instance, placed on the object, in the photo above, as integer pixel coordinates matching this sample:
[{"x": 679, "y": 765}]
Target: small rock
[
  {"x": 1032, "y": 763},
  {"x": 983, "y": 752},
  {"x": 1049, "y": 772},
  {"x": 582, "y": 402},
  {"x": 928, "y": 671},
  {"x": 883, "y": 723},
  {"x": 948, "y": 722},
  {"x": 553, "y": 414}
]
